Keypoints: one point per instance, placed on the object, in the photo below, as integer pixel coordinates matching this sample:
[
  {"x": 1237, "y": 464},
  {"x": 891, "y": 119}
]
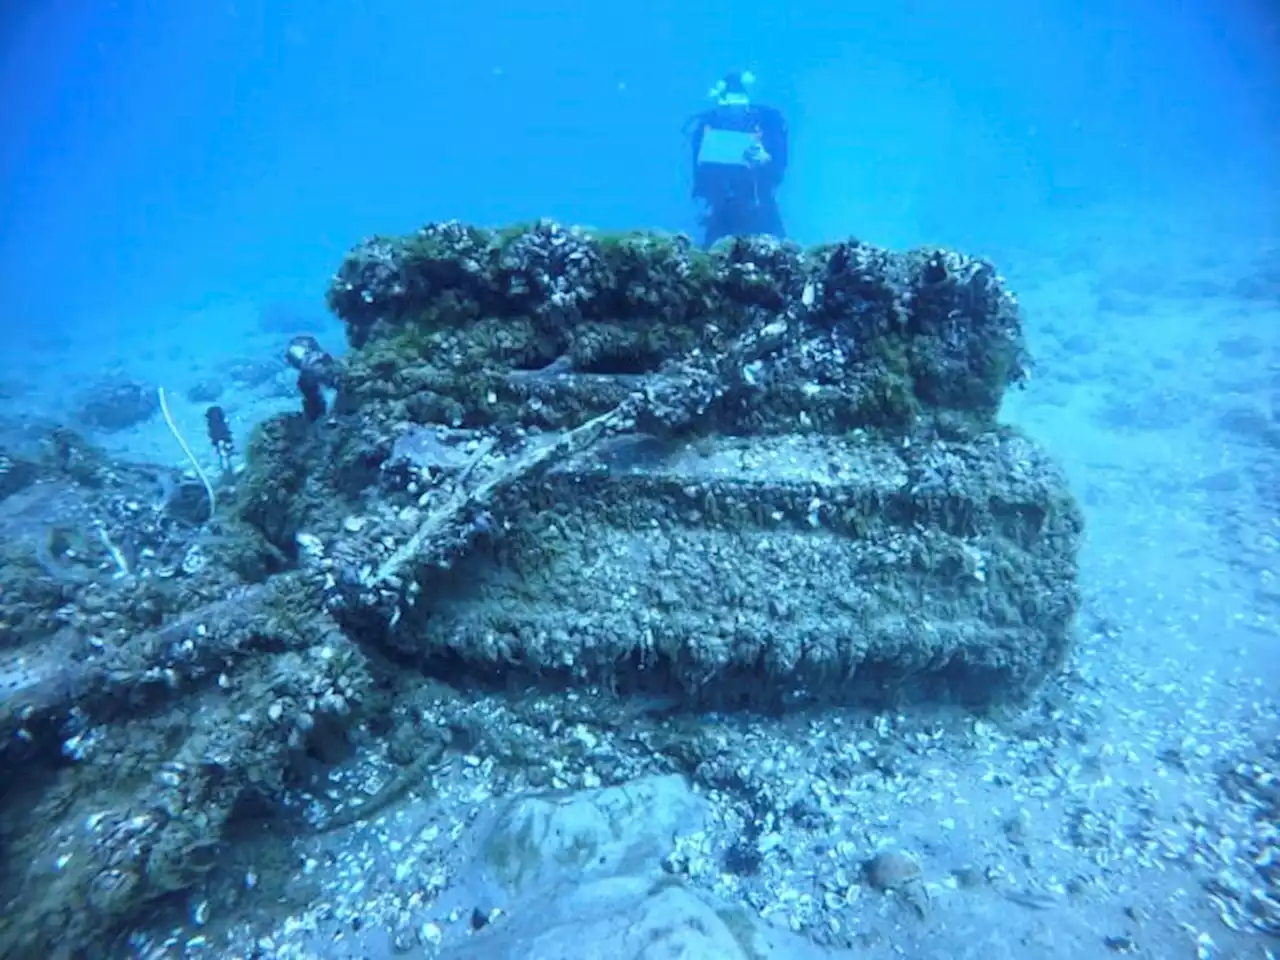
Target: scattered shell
[{"x": 892, "y": 870}]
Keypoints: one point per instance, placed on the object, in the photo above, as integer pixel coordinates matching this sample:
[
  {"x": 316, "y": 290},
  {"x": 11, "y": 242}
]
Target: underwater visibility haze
[{"x": 574, "y": 480}]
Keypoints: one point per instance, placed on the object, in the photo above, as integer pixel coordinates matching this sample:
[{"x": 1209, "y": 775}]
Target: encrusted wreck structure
[
  {"x": 552, "y": 459},
  {"x": 757, "y": 474}
]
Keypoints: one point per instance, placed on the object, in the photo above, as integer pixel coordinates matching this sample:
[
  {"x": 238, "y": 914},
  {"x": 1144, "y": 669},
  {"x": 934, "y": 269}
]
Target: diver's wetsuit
[{"x": 741, "y": 197}]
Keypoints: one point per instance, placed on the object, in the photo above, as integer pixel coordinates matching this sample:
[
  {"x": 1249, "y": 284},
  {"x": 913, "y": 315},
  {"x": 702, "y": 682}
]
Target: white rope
[{"x": 173, "y": 428}]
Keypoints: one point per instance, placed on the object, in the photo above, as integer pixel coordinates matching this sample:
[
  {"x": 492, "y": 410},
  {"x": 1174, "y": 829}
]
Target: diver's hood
[{"x": 732, "y": 90}]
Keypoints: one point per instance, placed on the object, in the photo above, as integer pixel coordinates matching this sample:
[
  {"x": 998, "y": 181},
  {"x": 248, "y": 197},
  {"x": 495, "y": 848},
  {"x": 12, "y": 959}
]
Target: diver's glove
[{"x": 757, "y": 155}]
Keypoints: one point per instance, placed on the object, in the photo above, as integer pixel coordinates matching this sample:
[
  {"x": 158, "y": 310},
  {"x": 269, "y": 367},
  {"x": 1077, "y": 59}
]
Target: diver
[{"x": 739, "y": 157}]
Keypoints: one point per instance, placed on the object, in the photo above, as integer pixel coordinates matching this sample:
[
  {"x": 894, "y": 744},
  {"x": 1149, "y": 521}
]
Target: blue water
[{"x": 157, "y": 157}]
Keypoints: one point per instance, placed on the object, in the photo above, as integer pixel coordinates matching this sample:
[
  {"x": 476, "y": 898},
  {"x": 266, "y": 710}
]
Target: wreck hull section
[{"x": 778, "y": 570}]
